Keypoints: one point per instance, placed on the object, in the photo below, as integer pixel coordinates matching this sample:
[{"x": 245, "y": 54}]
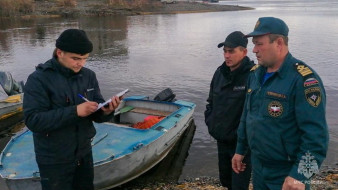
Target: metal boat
[{"x": 120, "y": 152}]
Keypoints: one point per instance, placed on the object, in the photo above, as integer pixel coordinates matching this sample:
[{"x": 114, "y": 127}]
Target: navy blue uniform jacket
[
  {"x": 226, "y": 100},
  {"x": 283, "y": 122},
  {"x": 50, "y": 100}
]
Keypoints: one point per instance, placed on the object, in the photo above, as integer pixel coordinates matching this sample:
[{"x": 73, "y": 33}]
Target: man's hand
[
  {"x": 237, "y": 164},
  {"x": 86, "y": 108},
  {"x": 115, "y": 101},
  {"x": 292, "y": 184}
]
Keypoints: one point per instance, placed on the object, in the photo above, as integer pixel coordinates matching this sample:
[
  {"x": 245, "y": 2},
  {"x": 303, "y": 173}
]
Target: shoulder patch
[
  {"x": 303, "y": 69},
  {"x": 254, "y": 67},
  {"x": 313, "y": 96}
]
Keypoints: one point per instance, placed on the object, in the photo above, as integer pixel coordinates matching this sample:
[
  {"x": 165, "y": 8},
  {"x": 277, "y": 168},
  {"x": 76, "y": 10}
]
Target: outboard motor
[
  {"x": 166, "y": 95},
  {"x": 9, "y": 85}
]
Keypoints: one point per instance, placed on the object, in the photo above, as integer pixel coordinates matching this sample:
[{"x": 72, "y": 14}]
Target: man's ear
[
  {"x": 59, "y": 52},
  {"x": 245, "y": 51},
  {"x": 280, "y": 41}
]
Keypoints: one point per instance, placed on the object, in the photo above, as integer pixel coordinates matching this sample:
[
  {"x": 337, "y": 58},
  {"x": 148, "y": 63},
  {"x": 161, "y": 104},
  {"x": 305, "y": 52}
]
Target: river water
[{"x": 149, "y": 53}]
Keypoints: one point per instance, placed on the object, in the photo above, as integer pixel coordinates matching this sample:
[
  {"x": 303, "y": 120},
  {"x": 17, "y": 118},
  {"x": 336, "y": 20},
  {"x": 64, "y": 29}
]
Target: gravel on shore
[
  {"x": 326, "y": 179},
  {"x": 322, "y": 181}
]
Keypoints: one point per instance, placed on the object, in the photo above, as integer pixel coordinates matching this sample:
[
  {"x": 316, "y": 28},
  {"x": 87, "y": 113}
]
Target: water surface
[{"x": 149, "y": 53}]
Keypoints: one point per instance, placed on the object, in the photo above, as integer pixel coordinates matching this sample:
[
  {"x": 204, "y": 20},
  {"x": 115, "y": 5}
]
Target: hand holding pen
[
  {"x": 85, "y": 99},
  {"x": 86, "y": 108}
]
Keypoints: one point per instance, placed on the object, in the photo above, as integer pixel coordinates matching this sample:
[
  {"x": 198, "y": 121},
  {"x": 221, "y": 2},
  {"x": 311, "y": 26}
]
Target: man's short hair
[{"x": 273, "y": 37}]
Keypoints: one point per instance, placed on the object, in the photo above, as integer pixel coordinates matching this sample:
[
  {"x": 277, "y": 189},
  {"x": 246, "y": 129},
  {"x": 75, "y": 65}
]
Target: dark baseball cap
[
  {"x": 269, "y": 25},
  {"x": 233, "y": 40}
]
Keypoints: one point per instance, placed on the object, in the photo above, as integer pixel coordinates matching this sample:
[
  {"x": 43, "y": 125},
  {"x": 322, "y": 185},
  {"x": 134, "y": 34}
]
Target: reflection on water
[{"x": 149, "y": 53}]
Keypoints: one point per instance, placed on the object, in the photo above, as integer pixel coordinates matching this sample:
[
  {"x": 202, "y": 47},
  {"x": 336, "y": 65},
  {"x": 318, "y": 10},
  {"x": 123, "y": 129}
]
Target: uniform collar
[{"x": 282, "y": 72}]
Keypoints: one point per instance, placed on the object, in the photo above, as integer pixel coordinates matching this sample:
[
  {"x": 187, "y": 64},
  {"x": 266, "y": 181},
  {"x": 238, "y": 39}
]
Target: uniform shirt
[{"x": 283, "y": 121}]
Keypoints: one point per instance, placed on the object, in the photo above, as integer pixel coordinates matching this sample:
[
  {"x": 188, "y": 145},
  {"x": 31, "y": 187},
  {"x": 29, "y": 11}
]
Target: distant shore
[{"x": 101, "y": 8}]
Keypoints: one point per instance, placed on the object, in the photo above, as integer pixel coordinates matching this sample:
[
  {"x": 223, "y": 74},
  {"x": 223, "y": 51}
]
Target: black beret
[{"x": 74, "y": 41}]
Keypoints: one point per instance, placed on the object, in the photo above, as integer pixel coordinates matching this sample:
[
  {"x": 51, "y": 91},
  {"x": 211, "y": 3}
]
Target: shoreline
[
  {"x": 323, "y": 180},
  {"x": 327, "y": 178},
  {"x": 46, "y": 9}
]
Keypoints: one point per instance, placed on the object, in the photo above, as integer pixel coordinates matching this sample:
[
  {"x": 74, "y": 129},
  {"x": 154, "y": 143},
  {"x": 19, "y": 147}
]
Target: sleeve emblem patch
[
  {"x": 313, "y": 96},
  {"x": 310, "y": 82}
]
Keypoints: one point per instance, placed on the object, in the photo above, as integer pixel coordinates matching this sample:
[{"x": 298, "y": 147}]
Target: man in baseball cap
[
  {"x": 223, "y": 111},
  {"x": 283, "y": 121}
]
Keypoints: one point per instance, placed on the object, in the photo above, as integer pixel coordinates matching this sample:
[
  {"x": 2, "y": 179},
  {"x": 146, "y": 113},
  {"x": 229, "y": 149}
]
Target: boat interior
[{"x": 133, "y": 112}]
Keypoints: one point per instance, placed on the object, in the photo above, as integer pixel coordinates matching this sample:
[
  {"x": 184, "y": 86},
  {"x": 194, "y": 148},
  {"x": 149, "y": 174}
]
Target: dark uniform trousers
[
  {"x": 71, "y": 176},
  {"x": 269, "y": 176},
  {"x": 227, "y": 176}
]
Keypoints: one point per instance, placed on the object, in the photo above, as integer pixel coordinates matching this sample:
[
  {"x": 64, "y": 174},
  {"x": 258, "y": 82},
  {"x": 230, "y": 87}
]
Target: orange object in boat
[{"x": 148, "y": 122}]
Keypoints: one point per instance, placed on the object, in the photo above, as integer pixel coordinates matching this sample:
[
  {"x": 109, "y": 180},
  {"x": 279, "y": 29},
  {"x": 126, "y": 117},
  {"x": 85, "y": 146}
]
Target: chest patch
[
  {"x": 275, "y": 108},
  {"x": 310, "y": 82},
  {"x": 313, "y": 96},
  {"x": 238, "y": 88},
  {"x": 277, "y": 95}
]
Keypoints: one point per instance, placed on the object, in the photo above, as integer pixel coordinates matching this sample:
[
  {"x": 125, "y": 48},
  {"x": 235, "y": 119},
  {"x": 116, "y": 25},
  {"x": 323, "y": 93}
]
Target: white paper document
[{"x": 109, "y": 100}]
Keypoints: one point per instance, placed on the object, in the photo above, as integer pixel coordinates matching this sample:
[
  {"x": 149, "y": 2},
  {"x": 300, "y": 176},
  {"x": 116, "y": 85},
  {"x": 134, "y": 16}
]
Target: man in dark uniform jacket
[
  {"x": 283, "y": 121},
  {"x": 225, "y": 105},
  {"x": 60, "y": 119}
]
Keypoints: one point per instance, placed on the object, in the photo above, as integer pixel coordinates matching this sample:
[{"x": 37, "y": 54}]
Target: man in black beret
[
  {"x": 225, "y": 105},
  {"x": 60, "y": 102}
]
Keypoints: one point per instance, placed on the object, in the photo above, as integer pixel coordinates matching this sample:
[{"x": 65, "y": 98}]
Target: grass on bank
[
  {"x": 133, "y": 4},
  {"x": 11, "y": 7},
  {"x": 22, "y": 7}
]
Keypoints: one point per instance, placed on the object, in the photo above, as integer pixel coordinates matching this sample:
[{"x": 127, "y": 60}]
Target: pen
[{"x": 85, "y": 99}]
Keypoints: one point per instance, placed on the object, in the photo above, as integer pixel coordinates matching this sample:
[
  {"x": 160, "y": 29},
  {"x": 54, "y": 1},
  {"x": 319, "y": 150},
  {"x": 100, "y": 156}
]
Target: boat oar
[{"x": 124, "y": 110}]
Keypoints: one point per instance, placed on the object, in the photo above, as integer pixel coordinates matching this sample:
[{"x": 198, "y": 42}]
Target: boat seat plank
[{"x": 150, "y": 111}]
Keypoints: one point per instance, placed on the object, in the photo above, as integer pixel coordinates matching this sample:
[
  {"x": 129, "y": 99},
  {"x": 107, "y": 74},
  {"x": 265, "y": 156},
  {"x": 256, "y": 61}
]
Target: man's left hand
[
  {"x": 115, "y": 101},
  {"x": 292, "y": 184}
]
